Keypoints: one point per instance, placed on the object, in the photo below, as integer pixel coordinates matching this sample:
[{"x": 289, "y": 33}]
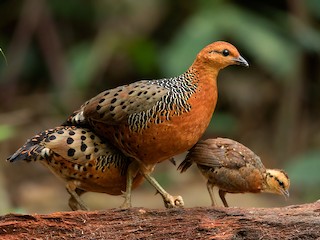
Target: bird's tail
[
  {"x": 185, "y": 164},
  {"x": 31, "y": 150},
  {"x": 76, "y": 119}
]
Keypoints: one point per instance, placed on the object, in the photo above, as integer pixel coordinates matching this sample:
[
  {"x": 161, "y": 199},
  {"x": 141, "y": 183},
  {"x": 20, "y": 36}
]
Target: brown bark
[{"x": 292, "y": 222}]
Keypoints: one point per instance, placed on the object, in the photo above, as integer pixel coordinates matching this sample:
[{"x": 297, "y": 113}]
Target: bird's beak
[
  {"x": 285, "y": 193},
  {"x": 241, "y": 61}
]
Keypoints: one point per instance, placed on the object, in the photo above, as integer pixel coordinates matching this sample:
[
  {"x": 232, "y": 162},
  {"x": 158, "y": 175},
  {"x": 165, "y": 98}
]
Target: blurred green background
[{"x": 61, "y": 53}]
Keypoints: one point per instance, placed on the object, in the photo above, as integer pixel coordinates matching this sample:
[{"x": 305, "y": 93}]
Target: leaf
[
  {"x": 81, "y": 70},
  {"x": 6, "y": 131},
  {"x": 266, "y": 40},
  {"x": 223, "y": 124},
  {"x": 4, "y": 56},
  {"x": 143, "y": 54},
  {"x": 197, "y": 32},
  {"x": 314, "y": 7},
  {"x": 304, "y": 169}
]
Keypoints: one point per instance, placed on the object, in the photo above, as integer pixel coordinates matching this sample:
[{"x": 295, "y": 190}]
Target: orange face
[{"x": 220, "y": 55}]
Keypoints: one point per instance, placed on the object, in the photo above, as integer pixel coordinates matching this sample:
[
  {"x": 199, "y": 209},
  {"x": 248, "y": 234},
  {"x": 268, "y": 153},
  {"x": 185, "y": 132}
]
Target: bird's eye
[
  {"x": 225, "y": 52},
  {"x": 281, "y": 183}
]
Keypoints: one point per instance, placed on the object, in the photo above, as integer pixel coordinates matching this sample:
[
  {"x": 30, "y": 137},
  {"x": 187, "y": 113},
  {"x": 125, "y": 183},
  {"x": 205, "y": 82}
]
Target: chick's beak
[
  {"x": 285, "y": 193},
  {"x": 241, "y": 61}
]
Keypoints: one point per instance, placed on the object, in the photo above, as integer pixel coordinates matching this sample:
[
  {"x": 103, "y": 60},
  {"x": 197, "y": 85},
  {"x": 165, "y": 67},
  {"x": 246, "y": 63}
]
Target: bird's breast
[{"x": 169, "y": 130}]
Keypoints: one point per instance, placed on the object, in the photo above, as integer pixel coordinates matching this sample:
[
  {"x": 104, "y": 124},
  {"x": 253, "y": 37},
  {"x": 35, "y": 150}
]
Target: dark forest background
[{"x": 61, "y": 53}]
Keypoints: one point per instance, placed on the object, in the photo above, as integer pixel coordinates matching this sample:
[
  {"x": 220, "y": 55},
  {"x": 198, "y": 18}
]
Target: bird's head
[
  {"x": 219, "y": 55},
  {"x": 277, "y": 181}
]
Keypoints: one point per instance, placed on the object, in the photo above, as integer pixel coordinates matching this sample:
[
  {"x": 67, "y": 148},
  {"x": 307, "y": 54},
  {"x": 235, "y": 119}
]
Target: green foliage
[
  {"x": 304, "y": 169},
  {"x": 80, "y": 67},
  {"x": 4, "y": 56},
  {"x": 222, "y": 123},
  {"x": 269, "y": 40},
  {"x": 314, "y": 7},
  {"x": 6, "y": 131},
  {"x": 73, "y": 10},
  {"x": 143, "y": 54},
  {"x": 304, "y": 173}
]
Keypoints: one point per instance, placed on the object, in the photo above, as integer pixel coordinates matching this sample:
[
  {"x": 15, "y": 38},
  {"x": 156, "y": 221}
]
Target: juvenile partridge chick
[
  {"x": 154, "y": 120},
  {"x": 234, "y": 168},
  {"x": 82, "y": 159}
]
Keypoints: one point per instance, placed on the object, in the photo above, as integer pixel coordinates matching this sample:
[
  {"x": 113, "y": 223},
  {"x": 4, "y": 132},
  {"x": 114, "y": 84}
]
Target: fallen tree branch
[{"x": 292, "y": 222}]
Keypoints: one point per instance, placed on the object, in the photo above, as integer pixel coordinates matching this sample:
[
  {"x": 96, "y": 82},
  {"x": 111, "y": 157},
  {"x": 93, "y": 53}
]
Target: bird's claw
[
  {"x": 173, "y": 201},
  {"x": 127, "y": 201},
  {"x": 125, "y": 205}
]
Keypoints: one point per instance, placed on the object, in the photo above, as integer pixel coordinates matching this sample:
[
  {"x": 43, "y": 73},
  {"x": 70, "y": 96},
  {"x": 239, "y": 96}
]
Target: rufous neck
[{"x": 208, "y": 74}]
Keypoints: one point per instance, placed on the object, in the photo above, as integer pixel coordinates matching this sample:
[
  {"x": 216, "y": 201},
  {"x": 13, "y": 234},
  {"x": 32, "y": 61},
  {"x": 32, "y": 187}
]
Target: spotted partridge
[
  {"x": 152, "y": 120},
  {"x": 83, "y": 160},
  {"x": 234, "y": 168}
]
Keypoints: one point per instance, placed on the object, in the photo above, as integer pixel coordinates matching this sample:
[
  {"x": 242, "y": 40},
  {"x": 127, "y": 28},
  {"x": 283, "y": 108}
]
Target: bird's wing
[
  {"x": 115, "y": 105},
  {"x": 222, "y": 152},
  {"x": 201, "y": 154},
  {"x": 207, "y": 155}
]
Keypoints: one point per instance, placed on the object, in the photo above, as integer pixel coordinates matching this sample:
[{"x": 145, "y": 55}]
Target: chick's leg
[
  {"x": 210, "y": 190},
  {"x": 222, "y": 195}
]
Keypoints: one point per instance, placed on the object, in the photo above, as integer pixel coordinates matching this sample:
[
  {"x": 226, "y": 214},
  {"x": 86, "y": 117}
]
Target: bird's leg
[
  {"x": 210, "y": 190},
  {"x": 131, "y": 173},
  {"x": 169, "y": 201},
  {"x": 75, "y": 202},
  {"x": 222, "y": 195}
]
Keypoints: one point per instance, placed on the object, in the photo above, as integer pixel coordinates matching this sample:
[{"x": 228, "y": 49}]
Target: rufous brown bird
[
  {"x": 153, "y": 120},
  {"x": 234, "y": 168},
  {"x": 83, "y": 160}
]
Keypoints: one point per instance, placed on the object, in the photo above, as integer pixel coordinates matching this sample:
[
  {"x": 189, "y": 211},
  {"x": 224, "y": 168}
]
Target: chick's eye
[
  {"x": 225, "y": 52},
  {"x": 281, "y": 183}
]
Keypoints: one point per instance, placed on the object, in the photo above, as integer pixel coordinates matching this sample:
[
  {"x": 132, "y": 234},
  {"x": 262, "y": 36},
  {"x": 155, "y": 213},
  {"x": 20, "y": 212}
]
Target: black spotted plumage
[
  {"x": 78, "y": 147},
  {"x": 81, "y": 158}
]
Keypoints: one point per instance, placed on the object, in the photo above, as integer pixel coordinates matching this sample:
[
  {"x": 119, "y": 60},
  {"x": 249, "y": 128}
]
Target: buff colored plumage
[
  {"x": 79, "y": 157},
  {"x": 234, "y": 168}
]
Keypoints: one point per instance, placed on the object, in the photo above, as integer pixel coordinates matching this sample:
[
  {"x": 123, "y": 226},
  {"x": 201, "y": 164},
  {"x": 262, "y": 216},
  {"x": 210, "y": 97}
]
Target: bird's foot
[
  {"x": 169, "y": 201},
  {"x": 127, "y": 201},
  {"x": 173, "y": 201},
  {"x": 125, "y": 205}
]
